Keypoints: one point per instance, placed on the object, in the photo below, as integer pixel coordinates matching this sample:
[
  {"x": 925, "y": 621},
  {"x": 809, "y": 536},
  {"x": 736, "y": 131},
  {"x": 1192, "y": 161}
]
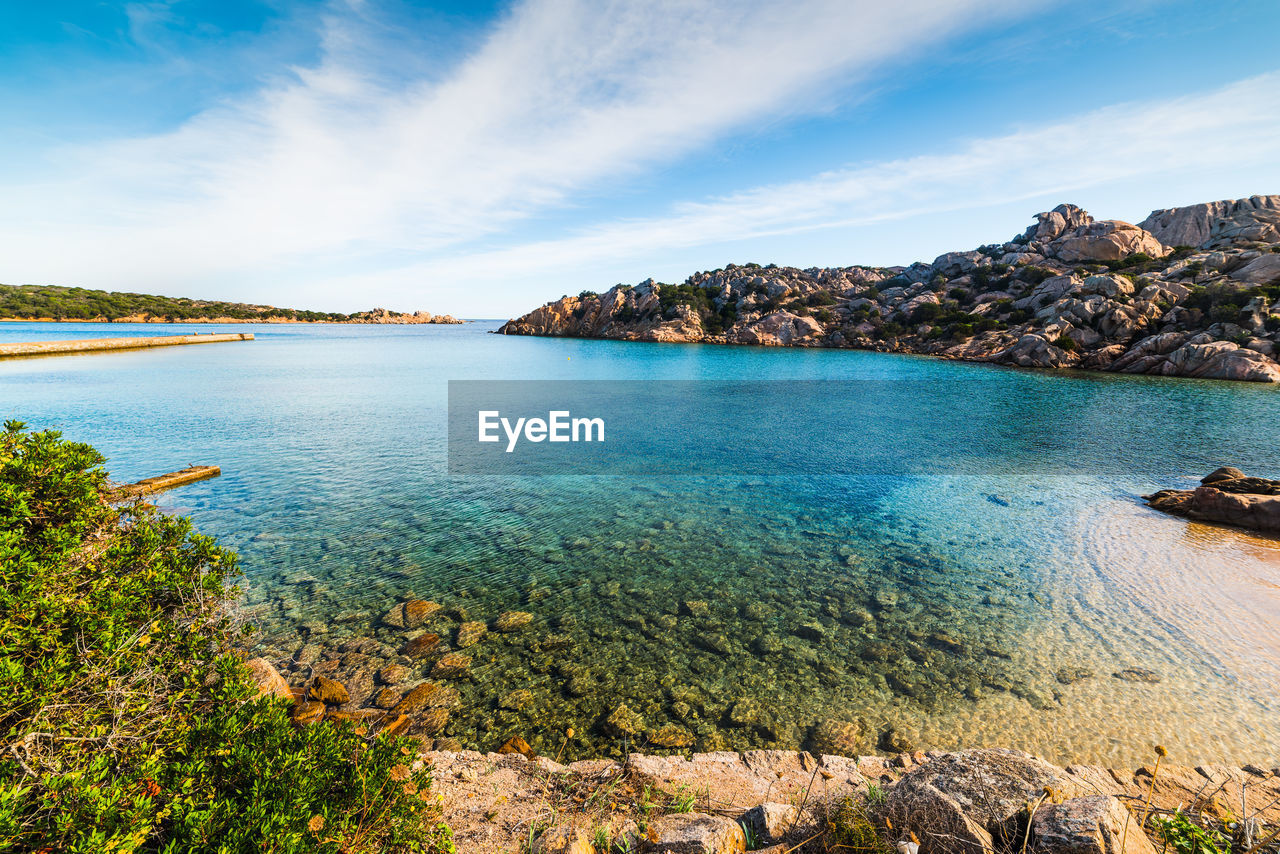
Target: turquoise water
[{"x": 740, "y": 610}]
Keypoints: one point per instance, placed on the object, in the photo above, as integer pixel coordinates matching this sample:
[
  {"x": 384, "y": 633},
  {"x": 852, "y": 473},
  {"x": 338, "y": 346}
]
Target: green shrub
[{"x": 131, "y": 720}]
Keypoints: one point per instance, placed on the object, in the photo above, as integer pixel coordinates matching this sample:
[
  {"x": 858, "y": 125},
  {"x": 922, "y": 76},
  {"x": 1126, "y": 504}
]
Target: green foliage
[
  {"x": 1034, "y": 275},
  {"x": 132, "y": 723},
  {"x": 702, "y": 300},
  {"x": 1065, "y": 343},
  {"x": 61, "y": 303},
  {"x": 849, "y": 827},
  {"x": 1182, "y": 836}
]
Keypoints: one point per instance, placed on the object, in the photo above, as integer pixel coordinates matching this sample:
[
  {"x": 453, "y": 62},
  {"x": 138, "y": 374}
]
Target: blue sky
[{"x": 482, "y": 158}]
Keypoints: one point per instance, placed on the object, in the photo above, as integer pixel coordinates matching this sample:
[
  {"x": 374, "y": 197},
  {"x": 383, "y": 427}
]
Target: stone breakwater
[
  {"x": 1189, "y": 292},
  {"x": 91, "y": 345},
  {"x": 1227, "y": 496},
  {"x": 778, "y": 801}
]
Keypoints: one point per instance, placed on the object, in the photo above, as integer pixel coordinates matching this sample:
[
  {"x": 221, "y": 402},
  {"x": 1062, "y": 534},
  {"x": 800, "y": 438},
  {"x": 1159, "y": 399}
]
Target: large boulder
[
  {"x": 1215, "y": 222},
  {"x": 965, "y": 801},
  {"x": 1221, "y": 360},
  {"x": 695, "y": 833},
  {"x": 1053, "y": 224},
  {"x": 1263, "y": 270},
  {"x": 779, "y": 329},
  {"x": 1226, "y": 496},
  {"x": 1034, "y": 350},
  {"x": 1095, "y": 824},
  {"x": 268, "y": 680},
  {"x": 1106, "y": 240},
  {"x": 952, "y": 264}
]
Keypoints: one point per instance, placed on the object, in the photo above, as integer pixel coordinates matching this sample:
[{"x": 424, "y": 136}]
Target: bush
[{"x": 132, "y": 722}]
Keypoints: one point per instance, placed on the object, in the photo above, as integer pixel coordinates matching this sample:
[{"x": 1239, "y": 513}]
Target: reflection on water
[{"x": 736, "y": 612}]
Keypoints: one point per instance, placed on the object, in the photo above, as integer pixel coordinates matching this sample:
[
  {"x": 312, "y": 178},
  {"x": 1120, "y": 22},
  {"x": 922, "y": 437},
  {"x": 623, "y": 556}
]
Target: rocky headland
[{"x": 1189, "y": 292}]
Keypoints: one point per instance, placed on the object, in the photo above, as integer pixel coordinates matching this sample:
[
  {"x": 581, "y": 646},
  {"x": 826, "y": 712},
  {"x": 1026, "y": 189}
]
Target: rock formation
[
  {"x": 1189, "y": 292},
  {"x": 1226, "y": 496},
  {"x": 382, "y": 315}
]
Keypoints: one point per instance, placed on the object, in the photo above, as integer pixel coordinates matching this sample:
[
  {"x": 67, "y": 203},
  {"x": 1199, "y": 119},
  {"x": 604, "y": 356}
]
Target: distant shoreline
[{"x": 223, "y": 320}]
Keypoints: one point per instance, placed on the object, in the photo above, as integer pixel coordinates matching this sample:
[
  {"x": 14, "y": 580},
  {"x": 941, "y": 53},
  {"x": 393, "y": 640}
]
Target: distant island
[
  {"x": 52, "y": 303},
  {"x": 1190, "y": 292}
]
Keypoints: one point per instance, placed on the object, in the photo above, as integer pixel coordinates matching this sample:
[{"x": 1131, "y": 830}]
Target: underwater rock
[
  {"x": 841, "y": 738},
  {"x": 768, "y": 645},
  {"x": 671, "y": 737},
  {"x": 1137, "y": 674},
  {"x": 470, "y": 633},
  {"x": 515, "y": 700},
  {"x": 422, "y": 645},
  {"x": 432, "y": 721},
  {"x": 392, "y": 674},
  {"x": 743, "y": 713},
  {"x": 387, "y": 698},
  {"x": 451, "y": 665},
  {"x": 427, "y": 695},
  {"x": 411, "y": 614},
  {"x": 894, "y": 740},
  {"x": 624, "y": 722},
  {"x": 513, "y": 621},
  {"x": 696, "y": 607},
  {"x": 329, "y": 691},
  {"x": 1071, "y": 675},
  {"x": 811, "y": 631}
]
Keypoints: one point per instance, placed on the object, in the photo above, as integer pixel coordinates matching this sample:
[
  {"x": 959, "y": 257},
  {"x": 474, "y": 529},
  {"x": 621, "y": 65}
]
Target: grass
[{"x": 130, "y": 720}]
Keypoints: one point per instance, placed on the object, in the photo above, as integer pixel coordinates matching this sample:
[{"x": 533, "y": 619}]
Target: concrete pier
[
  {"x": 93, "y": 345},
  {"x": 162, "y": 482}
]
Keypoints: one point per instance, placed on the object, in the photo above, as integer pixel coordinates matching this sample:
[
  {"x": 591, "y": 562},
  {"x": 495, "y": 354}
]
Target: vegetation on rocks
[
  {"x": 1069, "y": 292},
  {"x": 129, "y": 720},
  {"x": 33, "y": 302}
]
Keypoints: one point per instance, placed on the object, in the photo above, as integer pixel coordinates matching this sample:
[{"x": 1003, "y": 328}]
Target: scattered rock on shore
[{"x": 1226, "y": 496}]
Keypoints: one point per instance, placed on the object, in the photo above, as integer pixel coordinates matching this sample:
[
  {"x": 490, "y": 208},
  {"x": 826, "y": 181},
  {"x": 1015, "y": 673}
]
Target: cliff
[{"x": 1192, "y": 292}]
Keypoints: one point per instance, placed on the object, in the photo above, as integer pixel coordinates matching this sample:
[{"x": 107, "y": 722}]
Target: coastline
[
  {"x": 1189, "y": 292},
  {"x": 230, "y": 320},
  {"x": 492, "y": 800}
]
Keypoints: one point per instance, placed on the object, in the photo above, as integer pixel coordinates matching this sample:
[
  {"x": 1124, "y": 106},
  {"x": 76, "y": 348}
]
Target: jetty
[
  {"x": 94, "y": 345},
  {"x": 159, "y": 483}
]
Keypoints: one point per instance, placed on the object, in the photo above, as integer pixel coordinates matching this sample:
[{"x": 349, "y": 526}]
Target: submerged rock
[
  {"x": 624, "y": 722},
  {"x": 422, "y": 645},
  {"x": 451, "y": 665},
  {"x": 841, "y": 738},
  {"x": 411, "y": 614},
  {"x": 471, "y": 633},
  {"x": 329, "y": 691},
  {"x": 513, "y": 621}
]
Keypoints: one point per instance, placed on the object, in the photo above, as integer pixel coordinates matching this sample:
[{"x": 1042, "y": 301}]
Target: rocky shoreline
[
  {"x": 1188, "y": 292},
  {"x": 374, "y": 316},
  {"x": 909, "y": 801},
  {"x": 717, "y": 803}
]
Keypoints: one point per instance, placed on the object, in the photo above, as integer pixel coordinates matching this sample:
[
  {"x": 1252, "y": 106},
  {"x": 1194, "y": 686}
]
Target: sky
[{"x": 483, "y": 158}]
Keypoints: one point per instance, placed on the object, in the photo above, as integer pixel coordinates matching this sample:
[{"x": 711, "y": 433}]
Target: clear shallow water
[{"x": 942, "y": 606}]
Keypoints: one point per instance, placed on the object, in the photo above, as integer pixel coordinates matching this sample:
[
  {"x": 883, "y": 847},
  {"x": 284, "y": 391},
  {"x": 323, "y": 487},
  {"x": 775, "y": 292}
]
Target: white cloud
[
  {"x": 335, "y": 164},
  {"x": 1185, "y": 149}
]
